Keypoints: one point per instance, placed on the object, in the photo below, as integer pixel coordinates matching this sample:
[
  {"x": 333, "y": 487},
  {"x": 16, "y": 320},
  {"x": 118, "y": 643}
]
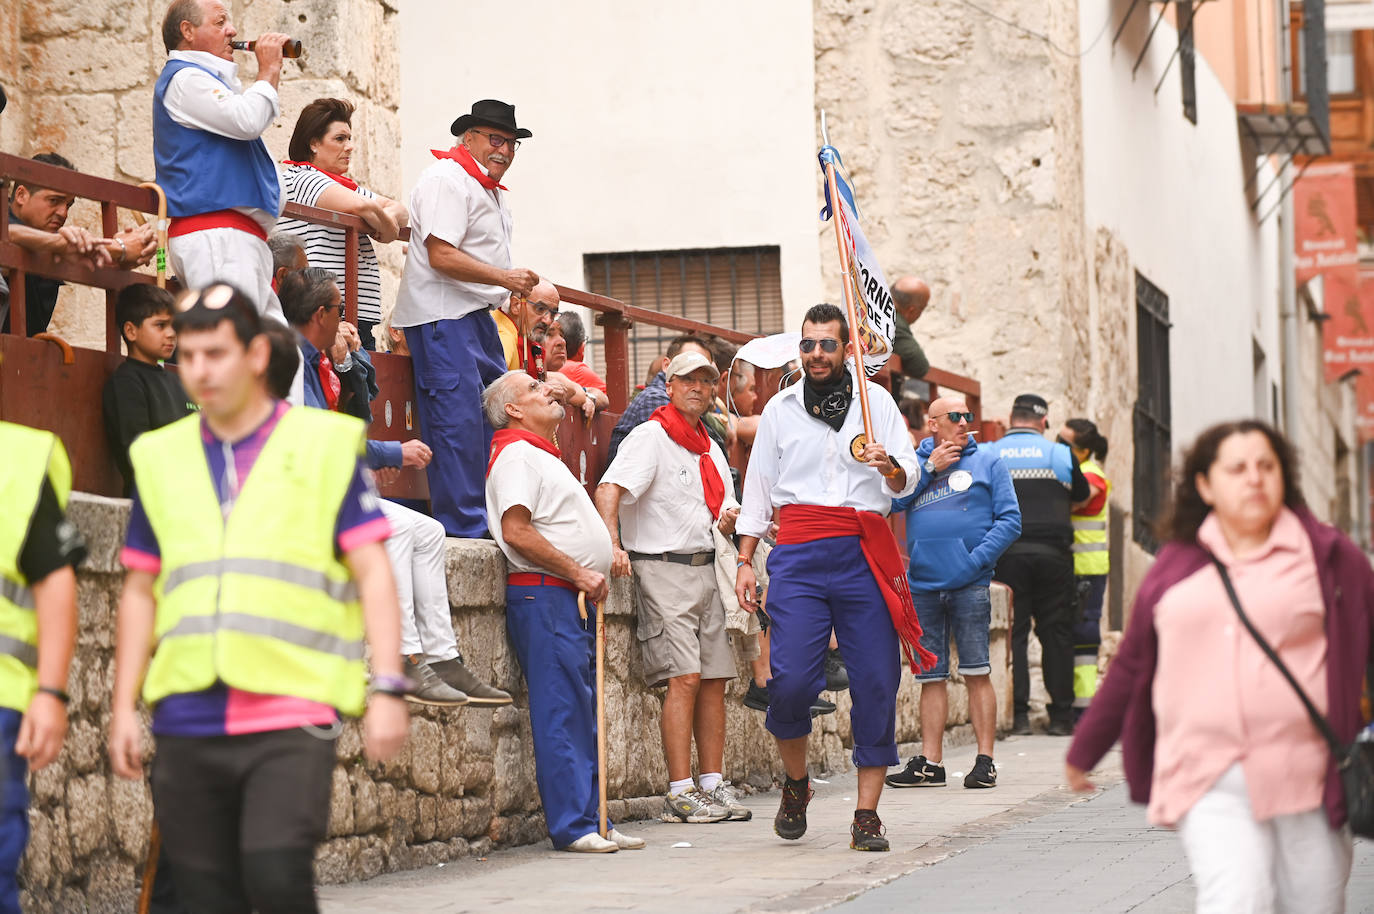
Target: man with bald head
[
  {"x": 910, "y": 296},
  {"x": 961, "y": 518}
]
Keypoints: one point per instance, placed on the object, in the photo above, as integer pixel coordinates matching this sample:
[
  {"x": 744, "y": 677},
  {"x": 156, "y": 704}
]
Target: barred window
[
  {"x": 737, "y": 288},
  {"x": 1153, "y": 440}
]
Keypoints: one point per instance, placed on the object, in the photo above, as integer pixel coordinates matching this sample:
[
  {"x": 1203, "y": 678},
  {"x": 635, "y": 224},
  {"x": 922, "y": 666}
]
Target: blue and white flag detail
[{"x": 872, "y": 300}]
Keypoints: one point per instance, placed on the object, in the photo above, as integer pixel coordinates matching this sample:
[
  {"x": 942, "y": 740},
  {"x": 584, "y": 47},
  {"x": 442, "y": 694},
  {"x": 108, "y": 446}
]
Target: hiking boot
[
  {"x": 592, "y": 843},
  {"x": 836, "y": 676},
  {"x": 1020, "y": 724},
  {"x": 461, "y": 678},
  {"x": 866, "y": 834},
  {"x": 821, "y": 706},
  {"x": 984, "y": 773},
  {"x": 428, "y": 689},
  {"x": 919, "y": 772},
  {"x": 693, "y": 807},
  {"x": 726, "y": 796},
  {"x": 756, "y": 697},
  {"x": 790, "y": 822}
]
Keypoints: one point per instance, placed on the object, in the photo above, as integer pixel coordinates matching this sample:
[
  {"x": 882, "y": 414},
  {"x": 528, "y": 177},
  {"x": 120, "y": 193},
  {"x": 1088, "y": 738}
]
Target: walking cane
[
  {"x": 600, "y": 704},
  {"x": 145, "y": 895},
  {"x": 161, "y": 260}
]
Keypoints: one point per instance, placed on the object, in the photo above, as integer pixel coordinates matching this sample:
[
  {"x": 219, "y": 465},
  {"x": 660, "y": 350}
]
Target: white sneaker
[
  {"x": 626, "y": 842},
  {"x": 592, "y": 843}
]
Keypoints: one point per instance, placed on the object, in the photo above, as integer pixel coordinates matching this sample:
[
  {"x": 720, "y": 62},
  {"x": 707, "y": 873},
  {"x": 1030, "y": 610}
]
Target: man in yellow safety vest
[
  {"x": 39, "y": 548},
  {"x": 1091, "y": 561},
  {"x": 256, "y": 564}
]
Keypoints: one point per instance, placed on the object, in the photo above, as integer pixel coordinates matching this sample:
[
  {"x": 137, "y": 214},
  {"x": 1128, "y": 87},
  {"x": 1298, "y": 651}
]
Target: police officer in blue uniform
[{"x": 1038, "y": 567}]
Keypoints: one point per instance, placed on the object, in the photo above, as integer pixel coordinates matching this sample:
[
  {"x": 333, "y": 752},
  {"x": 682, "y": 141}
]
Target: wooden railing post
[
  {"x": 351, "y": 275},
  {"x": 109, "y": 227},
  {"x": 616, "y": 348}
]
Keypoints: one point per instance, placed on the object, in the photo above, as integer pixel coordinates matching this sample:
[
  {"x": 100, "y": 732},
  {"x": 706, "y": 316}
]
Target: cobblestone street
[{"x": 1027, "y": 845}]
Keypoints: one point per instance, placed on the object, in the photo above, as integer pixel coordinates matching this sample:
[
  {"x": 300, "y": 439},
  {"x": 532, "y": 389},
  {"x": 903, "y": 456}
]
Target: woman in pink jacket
[{"x": 1213, "y": 738}]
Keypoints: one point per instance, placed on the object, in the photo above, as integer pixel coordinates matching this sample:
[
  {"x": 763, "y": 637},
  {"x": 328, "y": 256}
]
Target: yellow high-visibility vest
[
  {"x": 29, "y": 457},
  {"x": 257, "y": 600},
  {"x": 1090, "y": 532}
]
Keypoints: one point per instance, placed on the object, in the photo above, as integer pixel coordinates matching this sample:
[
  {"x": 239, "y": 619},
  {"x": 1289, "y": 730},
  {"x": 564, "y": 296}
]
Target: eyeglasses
[
  {"x": 542, "y": 309},
  {"x": 497, "y": 141},
  {"x": 828, "y": 345},
  {"x": 957, "y": 417}
]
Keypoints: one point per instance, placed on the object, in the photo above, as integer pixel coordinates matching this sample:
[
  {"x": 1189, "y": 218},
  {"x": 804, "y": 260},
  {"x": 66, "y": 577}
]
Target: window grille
[{"x": 1153, "y": 439}]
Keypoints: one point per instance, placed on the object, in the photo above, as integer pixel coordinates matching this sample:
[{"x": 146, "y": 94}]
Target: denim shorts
[{"x": 965, "y": 613}]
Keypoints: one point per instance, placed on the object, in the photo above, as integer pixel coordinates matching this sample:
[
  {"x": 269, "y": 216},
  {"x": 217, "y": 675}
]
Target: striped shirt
[{"x": 324, "y": 245}]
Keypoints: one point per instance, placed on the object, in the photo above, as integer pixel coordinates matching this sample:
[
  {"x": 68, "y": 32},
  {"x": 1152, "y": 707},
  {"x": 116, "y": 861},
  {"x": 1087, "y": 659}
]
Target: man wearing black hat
[
  {"x": 458, "y": 268},
  {"x": 1038, "y": 567}
]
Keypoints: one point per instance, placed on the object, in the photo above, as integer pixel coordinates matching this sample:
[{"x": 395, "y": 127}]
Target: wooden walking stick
[
  {"x": 600, "y": 706},
  {"x": 145, "y": 895}
]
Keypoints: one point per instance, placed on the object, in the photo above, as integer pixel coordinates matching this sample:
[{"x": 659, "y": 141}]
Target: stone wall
[
  {"x": 80, "y": 77},
  {"x": 465, "y": 781}
]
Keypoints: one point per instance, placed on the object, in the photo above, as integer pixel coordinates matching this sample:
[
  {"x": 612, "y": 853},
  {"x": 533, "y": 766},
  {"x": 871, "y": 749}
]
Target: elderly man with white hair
[{"x": 556, "y": 547}]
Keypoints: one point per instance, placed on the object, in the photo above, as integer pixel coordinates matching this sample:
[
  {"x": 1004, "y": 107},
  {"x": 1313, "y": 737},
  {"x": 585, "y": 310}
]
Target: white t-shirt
[
  {"x": 800, "y": 460},
  {"x": 559, "y": 507},
  {"x": 449, "y": 204},
  {"x": 324, "y": 245},
  {"x": 664, "y": 506}
]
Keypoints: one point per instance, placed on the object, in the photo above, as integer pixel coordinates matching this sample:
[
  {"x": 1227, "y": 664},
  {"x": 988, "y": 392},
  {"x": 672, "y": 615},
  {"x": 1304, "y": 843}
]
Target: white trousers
[
  {"x": 416, "y": 549},
  {"x": 227, "y": 255},
  {"x": 1287, "y": 863}
]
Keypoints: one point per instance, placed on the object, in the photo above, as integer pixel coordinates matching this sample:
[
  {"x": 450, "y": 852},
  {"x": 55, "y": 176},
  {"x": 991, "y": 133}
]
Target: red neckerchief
[
  {"x": 807, "y": 523},
  {"x": 345, "y": 180},
  {"x": 698, "y": 442},
  {"x": 505, "y": 437},
  {"x": 464, "y": 158}
]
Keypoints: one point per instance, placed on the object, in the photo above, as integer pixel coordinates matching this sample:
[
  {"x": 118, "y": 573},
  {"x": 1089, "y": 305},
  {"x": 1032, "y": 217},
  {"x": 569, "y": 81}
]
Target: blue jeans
[
  {"x": 14, "y": 810},
  {"x": 964, "y": 613}
]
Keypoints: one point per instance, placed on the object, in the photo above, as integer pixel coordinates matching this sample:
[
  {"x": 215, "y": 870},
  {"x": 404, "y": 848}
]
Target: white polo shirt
[
  {"x": 664, "y": 506},
  {"x": 449, "y": 204},
  {"x": 799, "y": 460},
  {"x": 559, "y": 507}
]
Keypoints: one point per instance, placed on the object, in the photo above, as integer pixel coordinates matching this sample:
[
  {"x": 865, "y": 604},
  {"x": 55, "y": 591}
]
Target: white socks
[
  {"x": 711, "y": 781},
  {"x": 677, "y": 787}
]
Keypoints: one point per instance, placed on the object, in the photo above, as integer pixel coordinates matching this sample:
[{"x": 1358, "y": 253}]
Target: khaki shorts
[{"x": 681, "y": 626}]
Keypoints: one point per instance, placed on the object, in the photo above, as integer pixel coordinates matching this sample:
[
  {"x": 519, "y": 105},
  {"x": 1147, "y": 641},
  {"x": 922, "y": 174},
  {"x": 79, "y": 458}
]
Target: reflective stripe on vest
[
  {"x": 1089, "y": 524},
  {"x": 16, "y": 593},
  {"x": 343, "y": 591},
  {"x": 1089, "y": 547},
  {"x": 298, "y": 635},
  {"x": 26, "y": 654},
  {"x": 260, "y": 600}
]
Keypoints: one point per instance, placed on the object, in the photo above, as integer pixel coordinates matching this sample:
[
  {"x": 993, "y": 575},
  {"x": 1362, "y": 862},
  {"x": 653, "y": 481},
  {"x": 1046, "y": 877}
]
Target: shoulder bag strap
[{"x": 1318, "y": 720}]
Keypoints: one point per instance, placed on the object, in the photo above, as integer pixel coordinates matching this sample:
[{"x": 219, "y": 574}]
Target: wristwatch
[{"x": 929, "y": 465}]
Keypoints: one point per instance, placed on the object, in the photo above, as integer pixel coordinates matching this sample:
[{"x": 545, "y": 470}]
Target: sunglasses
[
  {"x": 957, "y": 417},
  {"x": 828, "y": 345}
]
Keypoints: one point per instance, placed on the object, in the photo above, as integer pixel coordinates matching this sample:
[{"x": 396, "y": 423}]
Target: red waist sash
[
  {"x": 534, "y": 579},
  {"x": 220, "y": 218},
  {"x": 807, "y": 523}
]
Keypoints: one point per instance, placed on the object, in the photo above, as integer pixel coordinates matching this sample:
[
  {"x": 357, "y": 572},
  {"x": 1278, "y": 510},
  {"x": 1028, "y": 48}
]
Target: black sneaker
[
  {"x": 1020, "y": 724},
  {"x": 984, "y": 773},
  {"x": 821, "y": 706},
  {"x": 756, "y": 697},
  {"x": 919, "y": 772},
  {"x": 790, "y": 822},
  {"x": 1060, "y": 726},
  {"x": 866, "y": 834},
  {"x": 836, "y": 676}
]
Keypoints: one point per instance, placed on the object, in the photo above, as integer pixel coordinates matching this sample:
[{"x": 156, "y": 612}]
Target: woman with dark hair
[
  {"x": 316, "y": 174},
  {"x": 1091, "y": 560},
  {"x": 1213, "y": 737}
]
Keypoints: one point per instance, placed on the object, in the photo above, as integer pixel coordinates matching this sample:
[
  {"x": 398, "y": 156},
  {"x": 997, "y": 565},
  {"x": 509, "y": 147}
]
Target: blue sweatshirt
[{"x": 959, "y": 521}]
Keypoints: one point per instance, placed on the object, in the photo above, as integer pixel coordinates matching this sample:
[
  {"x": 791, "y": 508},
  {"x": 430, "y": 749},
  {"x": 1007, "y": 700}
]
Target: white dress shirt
[
  {"x": 559, "y": 508},
  {"x": 664, "y": 505},
  {"x": 198, "y": 101},
  {"x": 799, "y": 460},
  {"x": 449, "y": 204}
]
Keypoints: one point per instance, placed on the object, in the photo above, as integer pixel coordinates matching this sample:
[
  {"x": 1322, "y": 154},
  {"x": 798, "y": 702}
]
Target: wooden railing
[{"x": 48, "y": 384}]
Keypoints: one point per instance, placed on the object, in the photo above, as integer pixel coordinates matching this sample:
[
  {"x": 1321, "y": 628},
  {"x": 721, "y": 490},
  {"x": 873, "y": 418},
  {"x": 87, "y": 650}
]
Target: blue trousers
[
  {"x": 813, "y": 587},
  {"x": 14, "y": 810},
  {"x": 556, "y": 653},
  {"x": 453, "y": 362}
]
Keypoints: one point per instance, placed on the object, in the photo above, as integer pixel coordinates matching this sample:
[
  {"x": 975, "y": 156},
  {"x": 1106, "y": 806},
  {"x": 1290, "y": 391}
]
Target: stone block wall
[
  {"x": 464, "y": 783},
  {"x": 80, "y": 78}
]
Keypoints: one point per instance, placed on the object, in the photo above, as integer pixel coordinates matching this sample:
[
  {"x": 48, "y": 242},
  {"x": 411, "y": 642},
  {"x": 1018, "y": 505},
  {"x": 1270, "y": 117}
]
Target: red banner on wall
[
  {"x": 1324, "y": 220},
  {"x": 1348, "y": 334}
]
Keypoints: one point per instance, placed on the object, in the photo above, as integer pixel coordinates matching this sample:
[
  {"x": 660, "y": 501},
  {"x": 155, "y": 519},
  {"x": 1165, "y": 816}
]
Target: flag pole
[{"x": 836, "y": 208}]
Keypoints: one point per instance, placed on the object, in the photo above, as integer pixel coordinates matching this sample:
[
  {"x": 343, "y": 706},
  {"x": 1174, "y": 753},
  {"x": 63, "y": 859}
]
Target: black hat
[
  {"x": 490, "y": 113},
  {"x": 1032, "y": 403}
]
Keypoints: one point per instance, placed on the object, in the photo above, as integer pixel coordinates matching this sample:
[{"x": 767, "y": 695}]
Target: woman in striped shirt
[{"x": 316, "y": 174}]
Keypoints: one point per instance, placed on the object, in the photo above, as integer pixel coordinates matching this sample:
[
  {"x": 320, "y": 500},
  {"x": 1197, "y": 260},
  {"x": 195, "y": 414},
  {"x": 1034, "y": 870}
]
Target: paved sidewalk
[
  {"x": 739, "y": 866},
  {"x": 1097, "y": 856}
]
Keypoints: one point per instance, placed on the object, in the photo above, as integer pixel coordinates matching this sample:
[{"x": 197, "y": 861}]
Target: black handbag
[{"x": 1354, "y": 763}]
